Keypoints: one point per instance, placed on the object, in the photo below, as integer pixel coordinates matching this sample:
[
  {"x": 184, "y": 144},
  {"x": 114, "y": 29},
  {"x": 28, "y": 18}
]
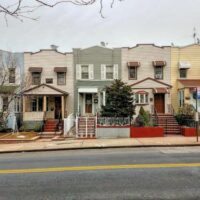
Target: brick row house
[{"x": 50, "y": 92}]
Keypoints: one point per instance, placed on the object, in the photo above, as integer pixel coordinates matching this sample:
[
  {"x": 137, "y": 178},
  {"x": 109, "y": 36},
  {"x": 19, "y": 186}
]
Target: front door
[
  {"x": 88, "y": 103},
  {"x": 159, "y": 103},
  {"x": 57, "y": 107}
]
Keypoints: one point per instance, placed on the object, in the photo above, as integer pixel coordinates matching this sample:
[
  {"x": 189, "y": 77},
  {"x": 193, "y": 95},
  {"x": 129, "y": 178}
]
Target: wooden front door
[
  {"x": 159, "y": 103},
  {"x": 88, "y": 103}
]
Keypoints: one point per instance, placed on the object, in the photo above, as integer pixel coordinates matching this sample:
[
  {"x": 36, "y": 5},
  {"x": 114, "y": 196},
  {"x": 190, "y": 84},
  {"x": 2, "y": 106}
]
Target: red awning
[
  {"x": 160, "y": 90},
  {"x": 159, "y": 63},
  {"x": 141, "y": 92},
  {"x": 133, "y": 64}
]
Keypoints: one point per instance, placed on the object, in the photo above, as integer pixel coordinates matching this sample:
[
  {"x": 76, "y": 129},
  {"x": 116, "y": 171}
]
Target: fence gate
[{"x": 86, "y": 127}]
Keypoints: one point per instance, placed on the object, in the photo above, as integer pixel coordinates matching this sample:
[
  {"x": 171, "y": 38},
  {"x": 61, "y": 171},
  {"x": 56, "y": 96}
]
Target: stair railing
[
  {"x": 171, "y": 109},
  {"x": 155, "y": 115}
]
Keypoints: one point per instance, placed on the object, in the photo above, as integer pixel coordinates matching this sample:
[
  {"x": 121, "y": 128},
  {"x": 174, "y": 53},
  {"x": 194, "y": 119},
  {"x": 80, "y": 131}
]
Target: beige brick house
[
  {"x": 50, "y": 90},
  {"x": 146, "y": 68}
]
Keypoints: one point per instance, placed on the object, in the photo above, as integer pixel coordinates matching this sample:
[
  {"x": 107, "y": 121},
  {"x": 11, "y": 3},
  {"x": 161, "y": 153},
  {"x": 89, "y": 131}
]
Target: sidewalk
[{"x": 70, "y": 144}]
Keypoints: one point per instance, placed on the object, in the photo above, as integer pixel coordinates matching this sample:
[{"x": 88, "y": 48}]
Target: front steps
[
  {"x": 169, "y": 123},
  {"x": 52, "y": 128},
  {"x": 86, "y": 127}
]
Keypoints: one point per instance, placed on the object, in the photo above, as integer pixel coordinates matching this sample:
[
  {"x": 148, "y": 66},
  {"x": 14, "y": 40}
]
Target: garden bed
[
  {"x": 19, "y": 137},
  {"x": 146, "y": 132}
]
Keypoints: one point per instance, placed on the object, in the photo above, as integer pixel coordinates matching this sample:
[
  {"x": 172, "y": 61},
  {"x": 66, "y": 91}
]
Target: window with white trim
[
  {"x": 5, "y": 103},
  {"x": 109, "y": 72},
  {"x": 36, "y": 104},
  {"x": 158, "y": 72},
  {"x": 84, "y": 72},
  {"x": 141, "y": 98},
  {"x": 17, "y": 104}
]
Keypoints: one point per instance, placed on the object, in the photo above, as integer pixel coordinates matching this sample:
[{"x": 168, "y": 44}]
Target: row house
[
  {"x": 11, "y": 76},
  {"x": 49, "y": 94},
  {"x": 95, "y": 68},
  {"x": 146, "y": 68},
  {"x": 185, "y": 75}
]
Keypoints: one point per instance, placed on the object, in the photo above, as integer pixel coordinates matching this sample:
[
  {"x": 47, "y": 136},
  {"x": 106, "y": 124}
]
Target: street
[{"x": 130, "y": 173}]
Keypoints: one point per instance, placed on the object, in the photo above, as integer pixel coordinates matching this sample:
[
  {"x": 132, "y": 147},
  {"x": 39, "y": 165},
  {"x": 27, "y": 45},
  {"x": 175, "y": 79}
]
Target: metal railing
[
  {"x": 113, "y": 121},
  {"x": 155, "y": 117}
]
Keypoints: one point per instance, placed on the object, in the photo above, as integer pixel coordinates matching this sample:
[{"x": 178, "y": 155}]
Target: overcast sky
[{"x": 128, "y": 23}]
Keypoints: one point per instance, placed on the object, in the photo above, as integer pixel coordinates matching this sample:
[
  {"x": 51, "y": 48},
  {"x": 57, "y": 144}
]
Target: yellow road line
[{"x": 99, "y": 167}]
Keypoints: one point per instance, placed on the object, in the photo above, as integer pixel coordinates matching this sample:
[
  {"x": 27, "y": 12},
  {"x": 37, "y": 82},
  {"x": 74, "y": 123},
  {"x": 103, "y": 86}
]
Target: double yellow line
[{"x": 99, "y": 167}]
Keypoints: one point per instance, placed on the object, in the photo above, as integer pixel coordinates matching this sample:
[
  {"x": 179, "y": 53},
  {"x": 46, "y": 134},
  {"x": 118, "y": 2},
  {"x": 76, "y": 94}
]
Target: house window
[
  {"x": 183, "y": 73},
  {"x": 141, "y": 98},
  {"x": 37, "y": 104},
  {"x": 84, "y": 72},
  {"x": 11, "y": 75},
  {"x": 109, "y": 72},
  {"x": 17, "y": 104},
  {"x": 5, "y": 103},
  {"x": 34, "y": 105},
  {"x": 36, "y": 78},
  {"x": 132, "y": 72},
  {"x": 49, "y": 80},
  {"x": 158, "y": 72},
  {"x": 61, "y": 78}
]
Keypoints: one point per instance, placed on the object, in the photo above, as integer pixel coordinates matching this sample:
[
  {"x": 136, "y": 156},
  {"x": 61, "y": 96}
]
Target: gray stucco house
[{"x": 94, "y": 68}]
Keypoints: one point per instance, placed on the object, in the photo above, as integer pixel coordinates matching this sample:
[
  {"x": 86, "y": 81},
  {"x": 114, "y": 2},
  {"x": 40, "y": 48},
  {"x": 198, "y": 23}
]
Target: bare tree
[
  {"x": 11, "y": 86},
  {"x": 21, "y": 9}
]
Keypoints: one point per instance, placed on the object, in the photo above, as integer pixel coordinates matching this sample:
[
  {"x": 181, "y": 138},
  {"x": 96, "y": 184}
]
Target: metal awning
[
  {"x": 60, "y": 69},
  {"x": 133, "y": 64},
  {"x": 35, "y": 69},
  {"x": 160, "y": 90},
  {"x": 184, "y": 65},
  {"x": 159, "y": 63}
]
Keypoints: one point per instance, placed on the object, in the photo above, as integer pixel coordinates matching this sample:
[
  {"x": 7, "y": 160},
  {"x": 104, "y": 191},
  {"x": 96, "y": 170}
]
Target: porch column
[
  {"x": 62, "y": 107},
  {"x": 44, "y": 103},
  {"x": 24, "y": 104}
]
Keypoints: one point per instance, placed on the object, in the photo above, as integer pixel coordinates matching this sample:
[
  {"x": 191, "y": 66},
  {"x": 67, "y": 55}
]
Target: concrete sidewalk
[{"x": 69, "y": 144}]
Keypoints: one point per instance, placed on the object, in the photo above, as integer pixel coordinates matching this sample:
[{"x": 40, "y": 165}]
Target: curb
[{"x": 99, "y": 147}]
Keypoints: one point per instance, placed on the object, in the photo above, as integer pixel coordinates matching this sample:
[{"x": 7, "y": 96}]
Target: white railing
[{"x": 68, "y": 123}]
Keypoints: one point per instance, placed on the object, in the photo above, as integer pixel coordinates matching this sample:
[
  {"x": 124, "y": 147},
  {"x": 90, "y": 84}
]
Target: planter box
[
  {"x": 188, "y": 131},
  {"x": 145, "y": 132}
]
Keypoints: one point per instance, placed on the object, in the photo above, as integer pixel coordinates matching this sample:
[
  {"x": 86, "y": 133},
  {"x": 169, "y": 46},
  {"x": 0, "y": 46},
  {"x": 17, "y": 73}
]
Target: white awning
[
  {"x": 184, "y": 65},
  {"x": 87, "y": 90}
]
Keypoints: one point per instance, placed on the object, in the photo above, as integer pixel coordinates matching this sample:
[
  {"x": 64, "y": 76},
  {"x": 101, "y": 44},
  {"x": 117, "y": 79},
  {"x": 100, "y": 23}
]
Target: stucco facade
[
  {"x": 91, "y": 76},
  {"x": 146, "y": 60},
  {"x": 187, "y": 59}
]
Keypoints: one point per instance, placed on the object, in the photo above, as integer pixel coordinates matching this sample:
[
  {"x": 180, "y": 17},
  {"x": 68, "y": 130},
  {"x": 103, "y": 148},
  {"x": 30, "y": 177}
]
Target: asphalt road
[{"x": 134, "y": 173}]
